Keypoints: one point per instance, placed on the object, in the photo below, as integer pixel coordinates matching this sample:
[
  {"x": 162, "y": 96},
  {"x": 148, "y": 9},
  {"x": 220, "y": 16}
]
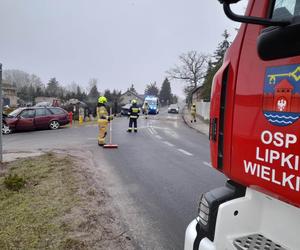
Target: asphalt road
[{"x": 158, "y": 173}]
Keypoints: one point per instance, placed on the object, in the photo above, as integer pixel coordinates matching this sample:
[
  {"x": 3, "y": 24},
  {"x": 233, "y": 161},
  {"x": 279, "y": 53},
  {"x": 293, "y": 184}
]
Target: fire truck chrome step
[{"x": 256, "y": 242}]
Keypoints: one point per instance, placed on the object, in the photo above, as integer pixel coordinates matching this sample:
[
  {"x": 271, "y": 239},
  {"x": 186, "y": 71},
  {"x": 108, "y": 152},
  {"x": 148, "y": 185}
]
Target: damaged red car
[{"x": 23, "y": 119}]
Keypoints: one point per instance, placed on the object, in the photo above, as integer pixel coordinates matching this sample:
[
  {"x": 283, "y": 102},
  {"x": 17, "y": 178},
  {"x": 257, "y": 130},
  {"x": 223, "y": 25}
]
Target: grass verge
[{"x": 32, "y": 217}]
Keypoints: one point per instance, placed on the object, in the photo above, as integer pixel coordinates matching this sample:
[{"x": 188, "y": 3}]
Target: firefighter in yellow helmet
[
  {"x": 193, "y": 112},
  {"x": 103, "y": 119},
  {"x": 133, "y": 116}
]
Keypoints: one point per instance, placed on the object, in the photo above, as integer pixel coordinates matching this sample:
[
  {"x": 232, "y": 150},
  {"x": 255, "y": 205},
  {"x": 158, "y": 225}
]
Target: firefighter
[
  {"x": 133, "y": 116},
  {"x": 193, "y": 113},
  {"x": 146, "y": 109},
  {"x": 103, "y": 119}
]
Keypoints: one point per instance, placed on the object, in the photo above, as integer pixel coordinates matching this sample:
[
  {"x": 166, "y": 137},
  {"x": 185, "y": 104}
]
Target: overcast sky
[{"x": 119, "y": 42}]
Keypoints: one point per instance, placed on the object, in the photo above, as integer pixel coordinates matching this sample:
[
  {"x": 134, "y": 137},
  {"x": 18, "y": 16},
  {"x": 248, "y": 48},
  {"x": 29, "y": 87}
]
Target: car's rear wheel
[
  {"x": 54, "y": 125},
  {"x": 6, "y": 129}
]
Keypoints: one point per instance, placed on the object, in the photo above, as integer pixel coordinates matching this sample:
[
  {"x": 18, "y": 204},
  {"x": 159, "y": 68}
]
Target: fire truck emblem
[
  {"x": 281, "y": 100},
  {"x": 281, "y": 104}
]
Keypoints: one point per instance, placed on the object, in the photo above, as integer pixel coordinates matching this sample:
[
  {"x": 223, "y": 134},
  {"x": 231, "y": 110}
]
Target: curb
[{"x": 189, "y": 125}]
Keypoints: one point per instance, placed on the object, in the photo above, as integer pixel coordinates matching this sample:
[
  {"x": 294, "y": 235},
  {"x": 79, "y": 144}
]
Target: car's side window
[
  {"x": 40, "y": 112},
  {"x": 48, "y": 112},
  {"x": 57, "y": 111},
  {"x": 28, "y": 113}
]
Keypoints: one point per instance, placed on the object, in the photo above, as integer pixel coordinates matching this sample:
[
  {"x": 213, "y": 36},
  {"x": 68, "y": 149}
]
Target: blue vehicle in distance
[{"x": 153, "y": 104}]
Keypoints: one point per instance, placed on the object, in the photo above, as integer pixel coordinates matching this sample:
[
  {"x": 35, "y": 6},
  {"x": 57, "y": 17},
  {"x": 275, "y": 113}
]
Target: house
[
  {"x": 9, "y": 94},
  {"x": 202, "y": 106},
  {"x": 128, "y": 96},
  {"x": 196, "y": 94}
]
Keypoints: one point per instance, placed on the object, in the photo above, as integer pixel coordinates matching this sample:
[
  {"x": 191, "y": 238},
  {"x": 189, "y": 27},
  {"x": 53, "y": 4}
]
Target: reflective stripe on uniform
[
  {"x": 135, "y": 110},
  {"x": 133, "y": 116}
]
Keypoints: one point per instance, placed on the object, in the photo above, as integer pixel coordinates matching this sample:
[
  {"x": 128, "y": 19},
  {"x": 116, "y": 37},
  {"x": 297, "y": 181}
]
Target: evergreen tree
[
  {"x": 31, "y": 94},
  {"x": 221, "y": 49},
  {"x": 174, "y": 99},
  {"x": 22, "y": 93},
  {"x": 211, "y": 71},
  {"x": 151, "y": 89},
  {"x": 39, "y": 91},
  {"x": 108, "y": 95},
  {"x": 78, "y": 93},
  {"x": 84, "y": 96},
  {"x": 165, "y": 94},
  {"x": 115, "y": 100},
  {"x": 94, "y": 93},
  {"x": 52, "y": 89},
  {"x": 214, "y": 66},
  {"x": 132, "y": 89},
  {"x": 61, "y": 93}
]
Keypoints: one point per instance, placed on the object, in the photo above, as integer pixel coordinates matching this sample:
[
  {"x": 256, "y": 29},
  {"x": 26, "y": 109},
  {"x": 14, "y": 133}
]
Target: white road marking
[
  {"x": 150, "y": 130},
  {"x": 185, "y": 152},
  {"x": 207, "y": 164},
  {"x": 154, "y": 131},
  {"x": 158, "y": 137},
  {"x": 168, "y": 143}
]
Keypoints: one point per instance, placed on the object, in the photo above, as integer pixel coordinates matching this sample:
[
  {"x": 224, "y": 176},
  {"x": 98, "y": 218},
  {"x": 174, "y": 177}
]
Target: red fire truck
[{"x": 255, "y": 135}]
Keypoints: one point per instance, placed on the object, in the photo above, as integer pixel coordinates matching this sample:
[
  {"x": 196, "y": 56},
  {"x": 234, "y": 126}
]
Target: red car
[{"x": 35, "y": 118}]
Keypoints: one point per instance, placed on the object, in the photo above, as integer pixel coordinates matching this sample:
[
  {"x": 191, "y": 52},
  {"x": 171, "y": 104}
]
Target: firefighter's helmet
[
  {"x": 133, "y": 101},
  {"x": 102, "y": 99}
]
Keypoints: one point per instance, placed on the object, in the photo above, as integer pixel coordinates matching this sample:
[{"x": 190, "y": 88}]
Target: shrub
[{"x": 14, "y": 182}]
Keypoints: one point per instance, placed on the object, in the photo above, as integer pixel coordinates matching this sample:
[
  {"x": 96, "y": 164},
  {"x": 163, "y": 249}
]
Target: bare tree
[{"x": 191, "y": 70}]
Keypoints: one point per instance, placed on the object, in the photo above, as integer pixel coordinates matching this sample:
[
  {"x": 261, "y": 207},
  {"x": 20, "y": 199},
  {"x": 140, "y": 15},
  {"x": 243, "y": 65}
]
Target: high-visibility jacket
[
  {"x": 193, "y": 110},
  {"x": 134, "y": 112},
  {"x": 102, "y": 113}
]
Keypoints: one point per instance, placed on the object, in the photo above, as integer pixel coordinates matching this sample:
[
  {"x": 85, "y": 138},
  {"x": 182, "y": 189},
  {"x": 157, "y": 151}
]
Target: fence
[{"x": 203, "y": 109}]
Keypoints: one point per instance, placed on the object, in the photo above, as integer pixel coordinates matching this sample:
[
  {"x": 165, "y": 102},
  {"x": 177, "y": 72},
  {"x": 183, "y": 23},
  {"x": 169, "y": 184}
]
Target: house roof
[
  {"x": 284, "y": 84},
  {"x": 196, "y": 89},
  {"x": 141, "y": 97}
]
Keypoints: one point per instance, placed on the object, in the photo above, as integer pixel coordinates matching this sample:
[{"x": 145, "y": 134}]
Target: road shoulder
[
  {"x": 200, "y": 126},
  {"x": 60, "y": 205}
]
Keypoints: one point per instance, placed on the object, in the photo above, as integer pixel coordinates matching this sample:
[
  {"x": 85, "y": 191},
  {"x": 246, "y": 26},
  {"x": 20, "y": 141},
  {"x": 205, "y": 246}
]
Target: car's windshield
[
  {"x": 151, "y": 102},
  {"x": 286, "y": 9},
  {"x": 14, "y": 113}
]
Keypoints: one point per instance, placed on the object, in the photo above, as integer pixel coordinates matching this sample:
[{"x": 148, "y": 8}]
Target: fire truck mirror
[
  {"x": 228, "y": 1},
  {"x": 279, "y": 42},
  {"x": 250, "y": 19}
]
